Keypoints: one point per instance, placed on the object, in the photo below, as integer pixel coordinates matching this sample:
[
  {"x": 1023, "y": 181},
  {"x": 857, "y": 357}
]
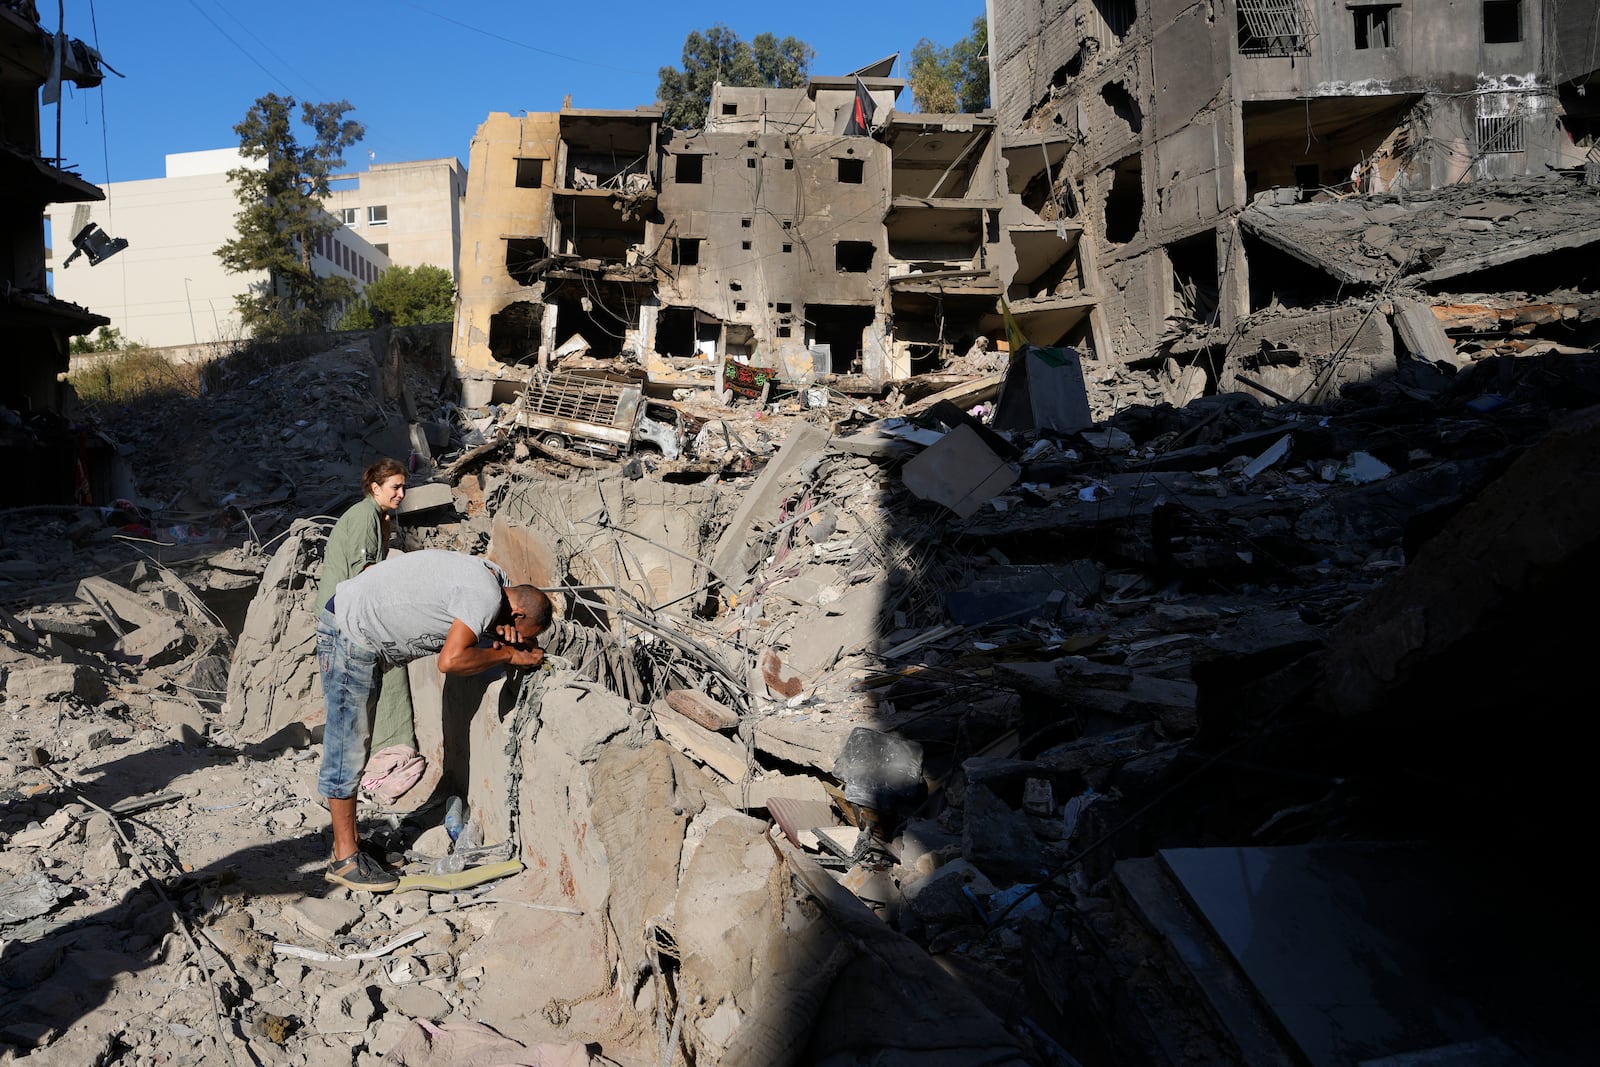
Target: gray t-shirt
[{"x": 402, "y": 608}]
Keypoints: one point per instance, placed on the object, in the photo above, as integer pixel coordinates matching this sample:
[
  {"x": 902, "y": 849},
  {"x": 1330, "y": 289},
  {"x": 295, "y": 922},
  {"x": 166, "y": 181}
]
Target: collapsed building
[
  {"x": 768, "y": 238},
  {"x": 35, "y": 440},
  {"x": 1185, "y": 140}
]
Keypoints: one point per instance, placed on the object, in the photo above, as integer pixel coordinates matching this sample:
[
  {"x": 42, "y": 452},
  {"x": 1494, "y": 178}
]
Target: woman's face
[{"x": 389, "y": 492}]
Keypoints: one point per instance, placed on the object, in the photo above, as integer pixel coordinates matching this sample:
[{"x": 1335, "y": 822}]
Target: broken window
[
  {"x": 1196, "y": 289},
  {"x": 744, "y": 224},
  {"x": 730, "y": 109},
  {"x": 788, "y": 164},
  {"x": 745, "y": 245},
  {"x": 1125, "y": 201},
  {"x": 1123, "y": 105},
  {"x": 686, "y": 251},
  {"x": 514, "y": 332},
  {"x": 853, "y": 257},
  {"x": 378, "y": 215},
  {"x": 850, "y": 171},
  {"x": 1374, "y": 25},
  {"x": 349, "y": 215},
  {"x": 1118, "y": 16},
  {"x": 784, "y": 331},
  {"x": 750, "y": 162},
  {"x": 525, "y": 258},
  {"x": 1499, "y": 134},
  {"x": 689, "y": 169},
  {"x": 842, "y": 328},
  {"x": 1273, "y": 28},
  {"x": 1502, "y": 21},
  {"x": 530, "y": 173}
]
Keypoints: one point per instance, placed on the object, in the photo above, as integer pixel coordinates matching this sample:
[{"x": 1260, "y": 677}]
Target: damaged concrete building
[
  {"x": 34, "y": 440},
  {"x": 769, "y": 238},
  {"x": 1182, "y": 138}
]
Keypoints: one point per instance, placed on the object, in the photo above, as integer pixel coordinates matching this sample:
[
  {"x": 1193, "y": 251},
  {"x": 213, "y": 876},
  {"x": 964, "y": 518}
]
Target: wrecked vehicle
[{"x": 598, "y": 413}]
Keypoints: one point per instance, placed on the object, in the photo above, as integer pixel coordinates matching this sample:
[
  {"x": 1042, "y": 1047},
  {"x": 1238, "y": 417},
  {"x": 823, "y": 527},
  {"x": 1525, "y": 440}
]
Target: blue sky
[{"x": 419, "y": 79}]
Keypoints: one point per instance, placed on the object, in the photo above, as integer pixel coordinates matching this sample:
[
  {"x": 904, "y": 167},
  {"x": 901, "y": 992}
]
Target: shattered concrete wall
[
  {"x": 1173, "y": 116},
  {"x": 505, "y": 218},
  {"x": 773, "y": 240},
  {"x": 782, "y": 222}
]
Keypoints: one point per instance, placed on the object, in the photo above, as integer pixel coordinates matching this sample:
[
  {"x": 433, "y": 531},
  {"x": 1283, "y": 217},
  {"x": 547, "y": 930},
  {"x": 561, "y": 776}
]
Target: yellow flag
[{"x": 1013, "y": 331}]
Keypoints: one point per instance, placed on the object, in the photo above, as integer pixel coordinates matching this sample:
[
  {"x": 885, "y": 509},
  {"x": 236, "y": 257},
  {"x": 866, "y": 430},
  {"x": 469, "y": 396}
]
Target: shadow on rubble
[
  {"x": 1253, "y": 734},
  {"x": 57, "y": 973}
]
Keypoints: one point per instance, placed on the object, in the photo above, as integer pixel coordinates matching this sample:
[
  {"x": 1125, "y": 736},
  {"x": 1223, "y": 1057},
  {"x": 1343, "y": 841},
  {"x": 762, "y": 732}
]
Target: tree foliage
[
  {"x": 282, "y": 218},
  {"x": 106, "y": 339},
  {"x": 953, "y": 79},
  {"x": 718, "y": 55},
  {"x": 408, "y": 296}
]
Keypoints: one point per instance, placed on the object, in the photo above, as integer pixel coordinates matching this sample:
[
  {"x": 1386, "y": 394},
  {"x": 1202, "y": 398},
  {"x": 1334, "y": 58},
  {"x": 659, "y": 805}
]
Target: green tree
[
  {"x": 282, "y": 218},
  {"x": 718, "y": 55},
  {"x": 954, "y": 79},
  {"x": 107, "y": 339},
  {"x": 409, "y": 296}
]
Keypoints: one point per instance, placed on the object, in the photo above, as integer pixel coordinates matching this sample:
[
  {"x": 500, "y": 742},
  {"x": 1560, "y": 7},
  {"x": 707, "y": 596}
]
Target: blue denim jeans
[{"x": 349, "y": 671}]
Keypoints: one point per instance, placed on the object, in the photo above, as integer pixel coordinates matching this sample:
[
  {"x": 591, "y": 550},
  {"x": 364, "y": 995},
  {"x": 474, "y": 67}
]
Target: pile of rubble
[{"x": 859, "y": 722}]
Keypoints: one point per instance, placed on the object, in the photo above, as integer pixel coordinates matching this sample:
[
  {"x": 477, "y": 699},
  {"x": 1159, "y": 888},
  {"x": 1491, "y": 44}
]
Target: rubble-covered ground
[{"x": 875, "y": 736}]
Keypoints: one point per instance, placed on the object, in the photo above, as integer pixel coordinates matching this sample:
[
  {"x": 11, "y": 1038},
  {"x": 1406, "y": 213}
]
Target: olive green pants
[{"x": 391, "y": 714}]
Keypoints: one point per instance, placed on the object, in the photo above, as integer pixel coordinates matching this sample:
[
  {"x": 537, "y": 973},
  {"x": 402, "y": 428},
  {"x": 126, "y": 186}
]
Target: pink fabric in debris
[
  {"x": 473, "y": 1044},
  {"x": 392, "y": 771}
]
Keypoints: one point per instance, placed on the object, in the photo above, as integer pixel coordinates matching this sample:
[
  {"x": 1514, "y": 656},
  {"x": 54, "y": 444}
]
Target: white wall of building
[
  {"x": 413, "y": 210},
  {"x": 168, "y": 287}
]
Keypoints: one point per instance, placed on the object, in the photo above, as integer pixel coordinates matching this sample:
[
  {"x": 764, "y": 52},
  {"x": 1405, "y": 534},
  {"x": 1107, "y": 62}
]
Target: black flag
[{"x": 861, "y": 110}]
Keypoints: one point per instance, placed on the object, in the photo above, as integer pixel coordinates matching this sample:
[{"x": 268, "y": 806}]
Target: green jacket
[{"x": 355, "y": 544}]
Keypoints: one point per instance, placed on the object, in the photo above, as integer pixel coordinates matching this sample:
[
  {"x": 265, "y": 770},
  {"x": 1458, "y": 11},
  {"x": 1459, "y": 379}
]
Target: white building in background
[
  {"x": 168, "y": 287},
  {"x": 410, "y": 212}
]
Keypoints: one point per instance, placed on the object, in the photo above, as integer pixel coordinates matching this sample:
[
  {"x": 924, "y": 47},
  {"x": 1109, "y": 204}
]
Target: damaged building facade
[
  {"x": 35, "y": 325},
  {"x": 769, "y": 238},
  {"x": 1155, "y": 125}
]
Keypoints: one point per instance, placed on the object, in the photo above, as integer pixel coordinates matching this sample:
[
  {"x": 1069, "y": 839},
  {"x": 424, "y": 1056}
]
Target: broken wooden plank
[
  {"x": 701, "y": 709},
  {"x": 718, "y": 753}
]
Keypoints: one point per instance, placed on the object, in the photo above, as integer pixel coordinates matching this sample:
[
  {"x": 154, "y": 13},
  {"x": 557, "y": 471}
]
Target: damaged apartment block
[
  {"x": 1199, "y": 148},
  {"x": 768, "y": 238}
]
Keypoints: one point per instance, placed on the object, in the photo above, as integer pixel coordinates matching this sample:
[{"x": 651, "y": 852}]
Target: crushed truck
[{"x": 599, "y": 413}]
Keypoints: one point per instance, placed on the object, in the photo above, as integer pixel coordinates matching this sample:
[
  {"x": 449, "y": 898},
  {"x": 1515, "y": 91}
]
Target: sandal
[{"x": 360, "y": 871}]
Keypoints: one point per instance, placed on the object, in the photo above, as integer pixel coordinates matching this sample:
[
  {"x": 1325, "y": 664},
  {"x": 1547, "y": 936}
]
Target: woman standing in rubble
[{"x": 359, "y": 539}]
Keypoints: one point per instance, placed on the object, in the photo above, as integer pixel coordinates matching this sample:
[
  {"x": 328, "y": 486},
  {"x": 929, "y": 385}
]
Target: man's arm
[{"x": 461, "y": 654}]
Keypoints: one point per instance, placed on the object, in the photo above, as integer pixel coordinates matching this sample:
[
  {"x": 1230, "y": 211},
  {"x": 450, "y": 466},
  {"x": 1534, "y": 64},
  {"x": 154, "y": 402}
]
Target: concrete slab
[
  {"x": 960, "y": 472},
  {"x": 1346, "y": 944}
]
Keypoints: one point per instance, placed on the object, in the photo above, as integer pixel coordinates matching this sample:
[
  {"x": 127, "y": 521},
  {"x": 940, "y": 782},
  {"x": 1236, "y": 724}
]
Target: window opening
[
  {"x": 530, "y": 173},
  {"x": 689, "y": 169},
  {"x": 850, "y": 171},
  {"x": 1502, "y": 21},
  {"x": 1374, "y": 25},
  {"x": 853, "y": 257},
  {"x": 686, "y": 251}
]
